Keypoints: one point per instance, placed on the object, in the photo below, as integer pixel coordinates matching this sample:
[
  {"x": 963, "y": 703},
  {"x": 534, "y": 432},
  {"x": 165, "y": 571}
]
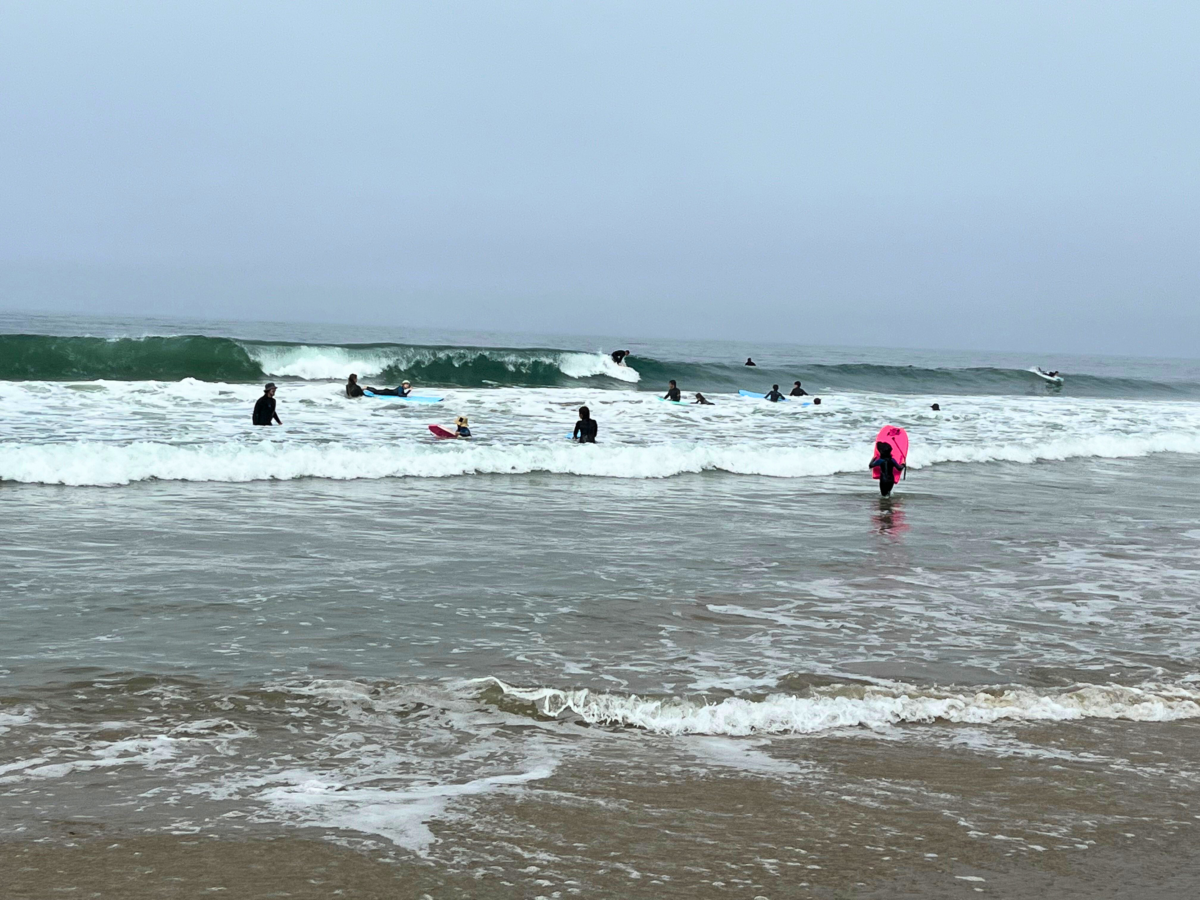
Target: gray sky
[{"x": 973, "y": 175}]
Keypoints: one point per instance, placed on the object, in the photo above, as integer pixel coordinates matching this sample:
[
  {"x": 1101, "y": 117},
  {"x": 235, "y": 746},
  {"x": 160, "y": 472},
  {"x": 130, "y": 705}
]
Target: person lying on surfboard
[
  {"x": 403, "y": 391},
  {"x": 887, "y": 466},
  {"x": 702, "y": 400},
  {"x": 460, "y": 427},
  {"x": 773, "y": 395},
  {"x": 672, "y": 392}
]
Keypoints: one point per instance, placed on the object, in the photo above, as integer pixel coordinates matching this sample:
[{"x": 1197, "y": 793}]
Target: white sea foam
[{"x": 864, "y": 707}]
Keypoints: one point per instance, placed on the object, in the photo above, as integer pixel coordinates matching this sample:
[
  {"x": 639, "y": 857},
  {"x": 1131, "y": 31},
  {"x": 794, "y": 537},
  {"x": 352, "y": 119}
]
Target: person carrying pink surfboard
[{"x": 888, "y": 467}]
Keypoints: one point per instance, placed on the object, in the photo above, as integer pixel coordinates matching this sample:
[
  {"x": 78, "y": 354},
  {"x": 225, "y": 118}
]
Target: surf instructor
[{"x": 264, "y": 409}]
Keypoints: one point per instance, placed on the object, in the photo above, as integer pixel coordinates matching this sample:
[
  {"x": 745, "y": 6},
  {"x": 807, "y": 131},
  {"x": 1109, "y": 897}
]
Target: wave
[
  {"x": 102, "y": 463},
  {"x": 859, "y": 706},
  {"x": 221, "y": 359}
]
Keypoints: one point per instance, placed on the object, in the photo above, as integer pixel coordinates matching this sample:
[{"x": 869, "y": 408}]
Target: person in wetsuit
[
  {"x": 773, "y": 395},
  {"x": 672, "y": 392},
  {"x": 352, "y": 387},
  {"x": 618, "y": 356},
  {"x": 798, "y": 391},
  {"x": 749, "y": 362},
  {"x": 264, "y": 409},
  {"x": 702, "y": 400},
  {"x": 887, "y": 466},
  {"x": 403, "y": 391},
  {"x": 585, "y": 428},
  {"x": 460, "y": 427}
]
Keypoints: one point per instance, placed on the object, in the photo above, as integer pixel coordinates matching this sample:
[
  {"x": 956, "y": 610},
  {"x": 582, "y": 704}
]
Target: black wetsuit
[
  {"x": 353, "y": 390},
  {"x": 462, "y": 431},
  {"x": 618, "y": 355},
  {"x": 773, "y": 395},
  {"x": 888, "y": 468},
  {"x": 799, "y": 392},
  {"x": 585, "y": 431},
  {"x": 264, "y": 411},
  {"x": 672, "y": 394}
]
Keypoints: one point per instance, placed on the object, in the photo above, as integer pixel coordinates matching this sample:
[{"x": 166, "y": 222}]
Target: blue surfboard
[
  {"x": 411, "y": 398},
  {"x": 757, "y": 396}
]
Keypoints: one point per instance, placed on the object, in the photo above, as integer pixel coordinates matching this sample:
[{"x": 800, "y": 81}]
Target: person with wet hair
[
  {"x": 701, "y": 400},
  {"x": 798, "y": 391},
  {"x": 403, "y": 391},
  {"x": 773, "y": 395},
  {"x": 672, "y": 392},
  {"x": 888, "y": 467},
  {"x": 264, "y": 409},
  {"x": 353, "y": 389},
  {"x": 585, "y": 428},
  {"x": 936, "y": 407}
]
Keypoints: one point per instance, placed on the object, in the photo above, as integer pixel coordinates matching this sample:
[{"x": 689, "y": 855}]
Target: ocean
[{"x": 701, "y": 658}]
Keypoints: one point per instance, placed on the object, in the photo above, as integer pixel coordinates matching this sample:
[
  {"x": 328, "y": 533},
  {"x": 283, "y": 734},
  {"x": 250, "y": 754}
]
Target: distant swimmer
[
  {"x": 798, "y": 391},
  {"x": 750, "y": 362},
  {"x": 816, "y": 401},
  {"x": 460, "y": 427},
  {"x": 403, "y": 391},
  {"x": 264, "y": 409},
  {"x": 773, "y": 394},
  {"x": 618, "y": 356},
  {"x": 352, "y": 387},
  {"x": 585, "y": 428},
  {"x": 702, "y": 400},
  {"x": 672, "y": 392},
  {"x": 936, "y": 408},
  {"x": 887, "y": 466}
]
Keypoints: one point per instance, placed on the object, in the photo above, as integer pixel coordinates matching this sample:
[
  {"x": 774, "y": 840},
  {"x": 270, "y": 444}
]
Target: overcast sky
[{"x": 969, "y": 175}]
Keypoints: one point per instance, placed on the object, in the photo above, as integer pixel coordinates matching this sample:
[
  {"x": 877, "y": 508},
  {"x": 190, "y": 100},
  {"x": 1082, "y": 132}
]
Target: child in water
[
  {"x": 585, "y": 428},
  {"x": 460, "y": 427},
  {"x": 887, "y": 466}
]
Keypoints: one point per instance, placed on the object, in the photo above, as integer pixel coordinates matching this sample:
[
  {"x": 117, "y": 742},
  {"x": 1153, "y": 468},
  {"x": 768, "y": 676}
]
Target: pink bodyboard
[
  {"x": 898, "y": 438},
  {"x": 440, "y": 432}
]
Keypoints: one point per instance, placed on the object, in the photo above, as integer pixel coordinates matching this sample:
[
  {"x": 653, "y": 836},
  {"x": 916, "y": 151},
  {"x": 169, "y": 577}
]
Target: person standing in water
[
  {"x": 798, "y": 391},
  {"x": 585, "y": 428},
  {"x": 672, "y": 392},
  {"x": 352, "y": 387},
  {"x": 887, "y": 466},
  {"x": 264, "y": 409},
  {"x": 773, "y": 395}
]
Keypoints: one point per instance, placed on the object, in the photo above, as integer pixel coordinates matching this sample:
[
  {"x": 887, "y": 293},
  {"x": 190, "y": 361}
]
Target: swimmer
[
  {"x": 798, "y": 391},
  {"x": 672, "y": 392},
  {"x": 816, "y": 401},
  {"x": 352, "y": 387},
  {"x": 887, "y": 466},
  {"x": 585, "y": 428},
  {"x": 264, "y": 409},
  {"x": 702, "y": 401},
  {"x": 773, "y": 395},
  {"x": 936, "y": 408}
]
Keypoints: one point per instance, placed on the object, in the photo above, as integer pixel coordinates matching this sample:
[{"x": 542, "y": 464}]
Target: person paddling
[
  {"x": 585, "y": 428},
  {"x": 888, "y": 467},
  {"x": 264, "y": 409}
]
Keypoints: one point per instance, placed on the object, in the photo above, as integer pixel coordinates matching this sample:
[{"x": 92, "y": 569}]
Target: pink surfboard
[
  {"x": 898, "y": 438},
  {"x": 440, "y": 432}
]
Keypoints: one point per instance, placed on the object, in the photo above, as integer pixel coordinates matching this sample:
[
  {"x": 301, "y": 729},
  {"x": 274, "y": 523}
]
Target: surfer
[
  {"x": 750, "y": 362},
  {"x": 403, "y": 391},
  {"x": 618, "y": 356},
  {"x": 887, "y": 467},
  {"x": 672, "y": 392},
  {"x": 773, "y": 395},
  {"x": 816, "y": 401},
  {"x": 460, "y": 427},
  {"x": 264, "y": 409},
  {"x": 936, "y": 408},
  {"x": 585, "y": 428},
  {"x": 702, "y": 400},
  {"x": 352, "y": 387},
  {"x": 798, "y": 391}
]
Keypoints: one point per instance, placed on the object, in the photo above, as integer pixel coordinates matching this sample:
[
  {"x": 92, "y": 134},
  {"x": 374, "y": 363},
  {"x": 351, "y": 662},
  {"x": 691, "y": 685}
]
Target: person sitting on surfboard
[
  {"x": 887, "y": 466},
  {"x": 585, "y": 428},
  {"x": 798, "y": 391},
  {"x": 702, "y": 400},
  {"x": 460, "y": 427},
  {"x": 672, "y": 392},
  {"x": 773, "y": 395},
  {"x": 403, "y": 391},
  {"x": 750, "y": 362},
  {"x": 352, "y": 387}
]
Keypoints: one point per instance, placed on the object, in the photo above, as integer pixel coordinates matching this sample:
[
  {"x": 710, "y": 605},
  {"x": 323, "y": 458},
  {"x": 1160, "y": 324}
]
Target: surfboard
[
  {"x": 411, "y": 398},
  {"x": 441, "y": 433},
  {"x": 1053, "y": 379},
  {"x": 898, "y": 438},
  {"x": 756, "y": 396}
]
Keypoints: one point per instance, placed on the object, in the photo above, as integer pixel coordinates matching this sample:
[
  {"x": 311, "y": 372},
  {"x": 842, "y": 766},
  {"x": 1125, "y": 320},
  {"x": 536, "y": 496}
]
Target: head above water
[
  {"x": 816, "y": 401},
  {"x": 936, "y": 408},
  {"x": 883, "y": 448},
  {"x": 774, "y": 387},
  {"x": 796, "y": 384},
  {"x": 584, "y": 412}
]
